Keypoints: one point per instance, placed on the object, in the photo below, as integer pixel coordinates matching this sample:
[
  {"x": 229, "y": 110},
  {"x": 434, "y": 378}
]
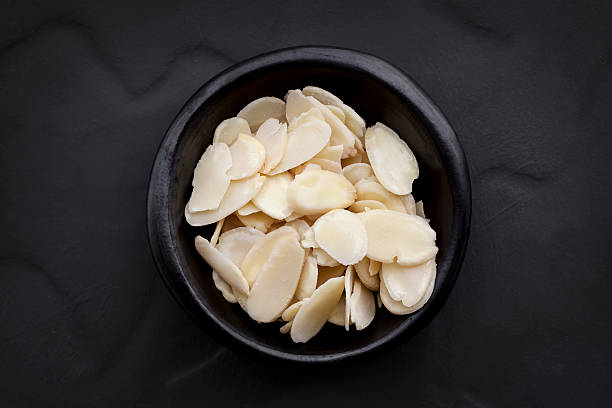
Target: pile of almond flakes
[{"x": 310, "y": 204}]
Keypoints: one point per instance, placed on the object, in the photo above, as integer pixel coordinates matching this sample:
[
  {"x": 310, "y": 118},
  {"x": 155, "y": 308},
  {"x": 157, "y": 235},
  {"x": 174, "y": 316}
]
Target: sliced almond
[
  {"x": 228, "y": 130},
  {"x": 286, "y": 328},
  {"x": 371, "y": 190},
  {"x": 353, "y": 121},
  {"x": 217, "y": 232},
  {"x": 409, "y": 203},
  {"x": 357, "y": 172},
  {"x": 323, "y": 258},
  {"x": 308, "y": 239},
  {"x": 349, "y": 279},
  {"x": 276, "y": 282},
  {"x": 248, "y": 157},
  {"x": 333, "y": 153},
  {"x": 273, "y": 136},
  {"x": 366, "y": 205},
  {"x": 398, "y": 308},
  {"x": 306, "y": 116},
  {"x": 339, "y": 113},
  {"x": 318, "y": 191},
  {"x": 223, "y": 287},
  {"x": 328, "y": 272},
  {"x": 363, "y": 307},
  {"x": 272, "y": 198},
  {"x": 303, "y": 143},
  {"x": 290, "y": 312},
  {"x": 241, "y": 299},
  {"x": 419, "y": 210},
  {"x": 407, "y": 284},
  {"x": 248, "y": 209},
  {"x": 258, "y": 220},
  {"x": 222, "y": 264},
  {"x": 326, "y": 164},
  {"x": 297, "y": 103},
  {"x": 258, "y": 111},
  {"x": 342, "y": 235},
  {"x": 393, "y": 235},
  {"x": 392, "y": 160},
  {"x": 236, "y": 243},
  {"x": 308, "y": 278},
  {"x": 300, "y": 226},
  {"x": 322, "y": 95},
  {"x": 259, "y": 253},
  {"x": 374, "y": 267},
  {"x": 210, "y": 178},
  {"x": 362, "y": 269},
  {"x": 337, "y": 315},
  {"x": 303, "y": 167},
  {"x": 238, "y": 194},
  {"x": 316, "y": 310}
]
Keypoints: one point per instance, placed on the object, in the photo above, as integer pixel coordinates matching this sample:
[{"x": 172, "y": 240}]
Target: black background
[{"x": 86, "y": 93}]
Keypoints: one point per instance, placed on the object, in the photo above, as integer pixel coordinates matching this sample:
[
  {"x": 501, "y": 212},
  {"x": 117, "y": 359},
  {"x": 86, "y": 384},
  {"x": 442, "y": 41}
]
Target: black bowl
[{"x": 378, "y": 92}]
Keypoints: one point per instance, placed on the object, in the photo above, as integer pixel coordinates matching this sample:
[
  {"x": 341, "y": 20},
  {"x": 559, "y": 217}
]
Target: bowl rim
[{"x": 162, "y": 240}]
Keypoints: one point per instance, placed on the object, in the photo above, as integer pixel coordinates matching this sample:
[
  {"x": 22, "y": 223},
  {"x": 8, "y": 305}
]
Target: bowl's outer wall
[{"x": 378, "y": 92}]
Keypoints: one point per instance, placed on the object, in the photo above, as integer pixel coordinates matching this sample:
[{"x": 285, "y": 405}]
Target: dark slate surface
[{"x": 86, "y": 92}]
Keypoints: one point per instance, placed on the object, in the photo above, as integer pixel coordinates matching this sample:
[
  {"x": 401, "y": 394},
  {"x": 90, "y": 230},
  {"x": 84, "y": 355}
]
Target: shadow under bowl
[{"x": 379, "y": 92}]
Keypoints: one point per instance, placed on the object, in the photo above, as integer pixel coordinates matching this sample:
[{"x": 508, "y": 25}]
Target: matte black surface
[
  {"x": 86, "y": 94},
  {"x": 379, "y": 92}
]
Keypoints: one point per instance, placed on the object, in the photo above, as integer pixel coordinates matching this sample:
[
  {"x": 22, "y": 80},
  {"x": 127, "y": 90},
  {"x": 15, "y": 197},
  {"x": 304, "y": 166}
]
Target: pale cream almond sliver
[
  {"x": 392, "y": 160},
  {"x": 316, "y": 310},
  {"x": 273, "y": 136},
  {"x": 222, "y": 264},
  {"x": 236, "y": 243},
  {"x": 323, "y": 258},
  {"x": 366, "y": 205},
  {"x": 210, "y": 178},
  {"x": 362, "y": 269},
  {"x": 398, "y": 237},
  {"x": 303, "y": 143},
  {"x": 272, "y": 197},
  {"x": 290, "y": 312},
  {"x": 337, "y": 315},
  {"x": 308, "y": 278},
  {"x": 339, "y": 113},
  {"x": 223, "y": 287},
  {"x": 248, "y": 209},
  {"x": 372, "y": 190},
  {"x": 276, "y": 282},
  {"x": 238, "y": 194},
  {"x": 357, "y": 172},
  {"x": 259, "y": 253},
  {"x": 258, "y": 111},
  {"x": 258, "y": 220},
  {"x": 398, "y": 308},
  {"x": 407, "y": 284},
  {"x": 363, "y": 306},
  {"x": 228, "y": 130},
  {"x": 318, "y": 191},
  {"x": 248, "y": 156},
  {"x": 342, "y": 235},
  {"x": 349, "y": 279}
]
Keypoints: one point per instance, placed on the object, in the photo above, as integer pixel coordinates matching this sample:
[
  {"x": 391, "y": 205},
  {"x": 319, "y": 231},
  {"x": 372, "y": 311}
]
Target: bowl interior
[{"x": 374, "y": 101}]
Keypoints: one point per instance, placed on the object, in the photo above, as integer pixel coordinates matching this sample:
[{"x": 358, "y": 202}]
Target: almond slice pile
[{"x": 314, "y": 213}]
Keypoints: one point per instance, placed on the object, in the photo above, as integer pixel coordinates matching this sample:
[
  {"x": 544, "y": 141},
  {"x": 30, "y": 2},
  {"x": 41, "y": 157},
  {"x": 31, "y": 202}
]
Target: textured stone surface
[{"x": 86, "y": 93}]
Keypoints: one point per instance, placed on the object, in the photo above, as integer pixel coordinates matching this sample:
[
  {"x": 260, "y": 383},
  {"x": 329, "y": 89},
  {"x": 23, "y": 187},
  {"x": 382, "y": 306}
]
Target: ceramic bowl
[{"x": 378, "y": 92}]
